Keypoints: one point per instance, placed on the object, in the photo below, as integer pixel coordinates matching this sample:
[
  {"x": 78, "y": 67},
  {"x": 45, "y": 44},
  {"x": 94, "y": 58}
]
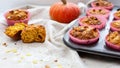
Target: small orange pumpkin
[{"x": 64, "y": 12}]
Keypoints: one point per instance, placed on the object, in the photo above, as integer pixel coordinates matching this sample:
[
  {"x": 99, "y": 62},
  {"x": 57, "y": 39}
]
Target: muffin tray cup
[{"x": 98, "y": 48}]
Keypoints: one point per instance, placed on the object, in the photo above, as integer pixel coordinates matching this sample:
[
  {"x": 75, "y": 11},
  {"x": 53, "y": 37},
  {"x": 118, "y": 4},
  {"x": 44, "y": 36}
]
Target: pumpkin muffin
[
  {"x": 33, "y": 33},
  {"x": 113, "y": 40},
  {"x": 117, "y": 15},
  {"x": 96, "y": 22},
  {"x": 17, "y": 15},
  {"x": 15, "y": 30},
  {"x": 84, "y": 34},
  {"x": 115, "y": 25},
  {"x": 102, "y": 4},
  {"x": 98, "y": 12}
]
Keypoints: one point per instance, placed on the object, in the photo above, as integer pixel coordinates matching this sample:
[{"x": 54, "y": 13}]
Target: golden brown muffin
[
  {"x": 15, "y": 30},
  {"x": 33, "y": 33},
  {"x": 103, "y": 3},
  {"x": 117, "y": 14},
  {"x": 17, "y": 14},
  {"x": 84, "y": 32},
  {"x": 41, "y": 34},
  {"x": 98, "y": 11},
  {"x": 91, "y": 21},
  {"x": 116, "y": 24},
  {"x": 114, "y": 37}
]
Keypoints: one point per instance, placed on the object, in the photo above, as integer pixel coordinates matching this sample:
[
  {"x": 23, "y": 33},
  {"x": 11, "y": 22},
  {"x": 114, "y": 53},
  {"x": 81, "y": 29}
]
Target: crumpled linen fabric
[{"x": 53, "y": 53}]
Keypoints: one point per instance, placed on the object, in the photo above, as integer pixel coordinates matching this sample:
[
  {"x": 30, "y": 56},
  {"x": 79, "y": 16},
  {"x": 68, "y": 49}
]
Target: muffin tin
[{"x": 98, "y": 48}]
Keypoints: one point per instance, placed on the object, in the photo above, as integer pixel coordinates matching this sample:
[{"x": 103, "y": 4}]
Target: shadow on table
[{"x": 98, "y": 57}]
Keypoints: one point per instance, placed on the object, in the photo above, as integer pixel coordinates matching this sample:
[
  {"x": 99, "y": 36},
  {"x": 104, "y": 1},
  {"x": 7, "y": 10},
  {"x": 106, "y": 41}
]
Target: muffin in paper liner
[
  {"x": 111, "y": 45},
  {"x": 11, "y": 19},
  {"x": 117, "y": 15},
  {"x": 97, "y": 4},
  {"x": 85, "y": 41},
  {"x": 115, "y": 25},
  {"x": 101, "y": 20},
  {"x": 96, "y": 11}
]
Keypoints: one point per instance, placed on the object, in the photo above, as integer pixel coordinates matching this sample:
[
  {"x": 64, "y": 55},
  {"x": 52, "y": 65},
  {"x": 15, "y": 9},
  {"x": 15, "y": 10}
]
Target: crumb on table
[
  {"x": 5, "y": 44},
  {"x": 47, "y": 66}
]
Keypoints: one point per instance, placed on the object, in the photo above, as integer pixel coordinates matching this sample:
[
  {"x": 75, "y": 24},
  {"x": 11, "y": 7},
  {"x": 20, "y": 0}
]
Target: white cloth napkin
[{"x": 53, "y": 53}]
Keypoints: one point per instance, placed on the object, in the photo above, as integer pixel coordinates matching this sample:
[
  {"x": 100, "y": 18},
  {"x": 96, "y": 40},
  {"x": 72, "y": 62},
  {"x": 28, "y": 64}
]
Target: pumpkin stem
[{"x": 64, "y": 1}]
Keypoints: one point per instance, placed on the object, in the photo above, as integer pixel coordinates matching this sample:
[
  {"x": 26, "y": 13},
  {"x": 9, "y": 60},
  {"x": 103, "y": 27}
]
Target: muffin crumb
[
  {"x": 47, "y": 66},
  {"x": 5, "y": 44},
  {"x": 55, "y": 60}
]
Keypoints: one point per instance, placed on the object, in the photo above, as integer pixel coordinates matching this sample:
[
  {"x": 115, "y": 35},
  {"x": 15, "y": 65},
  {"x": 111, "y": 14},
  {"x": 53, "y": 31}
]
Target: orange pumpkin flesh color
[{"x": 64, "y": 12}]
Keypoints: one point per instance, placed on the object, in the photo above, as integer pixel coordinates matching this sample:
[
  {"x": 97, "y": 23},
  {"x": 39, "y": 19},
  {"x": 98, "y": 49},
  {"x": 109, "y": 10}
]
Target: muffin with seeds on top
[
  {"x": 93, "y": 21},
  {"x": 98, "y": 12},
  {"x": 115, "y": 25},
  {"x": 17, "y": 15},
  {"x": 102, "y": 4},
  {"x": 113, "y": 40},
  {"x": 84, "y": 35}
]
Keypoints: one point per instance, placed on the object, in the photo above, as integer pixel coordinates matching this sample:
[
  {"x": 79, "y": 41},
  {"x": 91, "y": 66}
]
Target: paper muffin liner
[
  {"x": 12, "y": 22},
  {"x": 101, "y": 19},
  {"x": 107, "y": 7},
  {"x": 86, "y": 42},
  {"x": 113, "y": 28},
  {"x": 111, "y": 45},
  {"x": 116, "y": 17},
  {"x": 97, "y": 8}
]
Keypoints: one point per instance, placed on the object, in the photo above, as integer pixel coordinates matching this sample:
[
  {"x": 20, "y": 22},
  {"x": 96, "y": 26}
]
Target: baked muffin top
[
  {"x": 114, "y": 38},
  {"x": 116, "y": 24},
  {"x": 117, "y": 13},
  {"x": 97, "y": 11},
  {"x": 17, "y": 14},
  {"x": 91, "y": 21},
  {"x": 84, "y": 32},
  {"x": 103, "y": 3}
]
